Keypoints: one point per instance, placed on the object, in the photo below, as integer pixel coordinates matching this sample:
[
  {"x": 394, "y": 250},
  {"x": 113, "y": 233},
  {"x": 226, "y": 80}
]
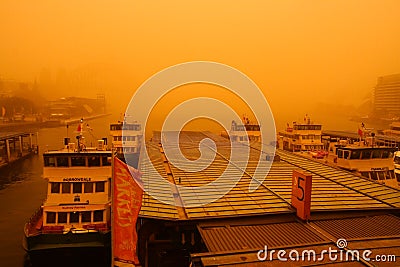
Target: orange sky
[{"x": 307, "y": 51}]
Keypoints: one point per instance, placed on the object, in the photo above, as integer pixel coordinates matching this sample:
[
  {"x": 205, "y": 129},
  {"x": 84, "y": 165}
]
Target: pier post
[
  {"x": 8, "y": 150},
  {"x": 20, "y": 144},
  {"x": 30, "y": 140}
]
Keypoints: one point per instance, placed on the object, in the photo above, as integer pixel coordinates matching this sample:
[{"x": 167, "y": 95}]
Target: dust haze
[{"x": 322, "y": 58}]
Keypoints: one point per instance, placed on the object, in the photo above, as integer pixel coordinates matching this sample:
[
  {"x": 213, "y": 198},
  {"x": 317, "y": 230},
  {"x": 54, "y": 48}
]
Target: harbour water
[{"x": 22, "y": 190}]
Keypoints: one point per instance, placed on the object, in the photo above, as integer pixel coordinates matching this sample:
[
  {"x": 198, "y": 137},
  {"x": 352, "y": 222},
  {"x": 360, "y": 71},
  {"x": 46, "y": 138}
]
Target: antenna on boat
[{"x": 80, "y": 131}]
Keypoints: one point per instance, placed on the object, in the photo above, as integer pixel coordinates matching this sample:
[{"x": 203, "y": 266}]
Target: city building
[{"x": 387, "y": 96}]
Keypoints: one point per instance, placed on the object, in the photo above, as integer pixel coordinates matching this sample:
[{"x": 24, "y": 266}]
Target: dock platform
[{"x": 15, "y": 146}]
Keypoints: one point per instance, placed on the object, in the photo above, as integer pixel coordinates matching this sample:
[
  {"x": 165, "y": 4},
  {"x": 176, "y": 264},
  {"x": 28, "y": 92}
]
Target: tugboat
[
  {"x": 76, "y": 212},
  {"x": 127, "y": 145}
]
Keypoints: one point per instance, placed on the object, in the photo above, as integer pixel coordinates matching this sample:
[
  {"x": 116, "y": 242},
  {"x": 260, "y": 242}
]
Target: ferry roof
[
  {"x": 378, "y": 233},
  {"x": 366, "y": 148},
  {"x": 333, "y": 189}
]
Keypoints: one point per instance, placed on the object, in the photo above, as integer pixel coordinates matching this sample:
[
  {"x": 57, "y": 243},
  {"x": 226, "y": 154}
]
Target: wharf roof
[
  {"x": 333, "y": 189},
  {"x": 233, "y": 244}
]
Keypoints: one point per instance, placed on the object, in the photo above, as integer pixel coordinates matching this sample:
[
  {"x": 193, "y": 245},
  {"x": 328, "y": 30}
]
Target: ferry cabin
[
  {"x": 79, "y": 190},
  {"x": 375, "y": 163},
  {"x": 301, "y": 137},
  {"x": 130, "y": 141},
  {"x": 247, "y": 132}
]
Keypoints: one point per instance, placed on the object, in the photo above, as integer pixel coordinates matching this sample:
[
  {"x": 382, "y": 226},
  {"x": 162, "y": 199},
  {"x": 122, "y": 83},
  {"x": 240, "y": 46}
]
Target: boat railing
[
  {"x": 34, "y": 224},
  {"x": 101, "y": 227}
]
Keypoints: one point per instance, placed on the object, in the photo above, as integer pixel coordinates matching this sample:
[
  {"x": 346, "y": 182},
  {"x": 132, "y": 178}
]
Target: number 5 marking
[{"x": 301, "y": 188}]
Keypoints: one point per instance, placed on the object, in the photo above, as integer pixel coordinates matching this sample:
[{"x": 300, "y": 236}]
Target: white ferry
[
  {"x": 304, "y": 136},
  {"x": 372, "y": 162},
  {"x": 128, "y": 145},
  {"x": 76, "y": 212},
  {"x": 245, "y": 132}
]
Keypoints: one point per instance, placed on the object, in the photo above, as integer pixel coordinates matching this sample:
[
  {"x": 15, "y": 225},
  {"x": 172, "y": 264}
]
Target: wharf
[
  {"x": 23, "y": 125},
  {"x": 15, "y": 146}
]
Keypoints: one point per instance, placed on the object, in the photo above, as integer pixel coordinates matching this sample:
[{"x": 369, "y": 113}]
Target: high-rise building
[{"x": 387, "y": 95}]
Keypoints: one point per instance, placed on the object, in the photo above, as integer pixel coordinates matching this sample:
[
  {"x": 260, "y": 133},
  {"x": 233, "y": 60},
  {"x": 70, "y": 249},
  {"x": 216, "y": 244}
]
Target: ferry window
[
  {"x": 365, "y": 174},
  {"x": 374, "y": 176},
  {"x": 78, "y": 161},
  {"x": 115, "y": 138},
  {"x": 107, "y": 161},
  {"x": 389, "y": 174},
  {"x": 98, "y": 216},
  {"x": 66, "y": 188},
  {"x": 381, "y": 175},
  {"x": 100, "y": 186},
  {"x": 86, "y": 216},
  {"x": 73, "y": 217},
  {"x": 340, "y": 154},
  {"x": 387, "y": 154},
  {"x": 355, "y": 154},
  {"x": 62, "y": 217},
  {"x": 115, "y": 127},
  {"x": 346, "y": 154},
  {"x": 77, "y": 188},
  {"x": 398, "y": 177},
  {"x": 62, "y": 161},
  {"x": 55, "y": 188},
  {"x": 94, "y": 161},
  {"x": 49, "y": 162},
  {"x": 51, "y": 217},
  {"x": 376, "y": 154},
  {"x": 366, "y": 154},
  {"x": 88, "y": 187}
]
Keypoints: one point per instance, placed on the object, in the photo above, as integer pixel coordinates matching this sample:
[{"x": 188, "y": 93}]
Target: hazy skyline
[{"x": 297, "y": 52}]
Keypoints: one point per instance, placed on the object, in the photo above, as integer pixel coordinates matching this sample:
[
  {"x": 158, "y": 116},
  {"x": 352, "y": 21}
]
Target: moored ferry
[
  {"x": 301, "y": 136},
  {"x": 76, "y": 212},
  {"x": 374, "y": 163},
  {"x": 243, "y": 132},
  {"x": 126, "y": 140}
]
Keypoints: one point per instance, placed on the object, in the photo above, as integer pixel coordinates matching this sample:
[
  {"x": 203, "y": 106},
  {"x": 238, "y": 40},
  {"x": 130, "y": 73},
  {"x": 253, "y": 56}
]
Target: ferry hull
[{"x": 51, "y": 241}]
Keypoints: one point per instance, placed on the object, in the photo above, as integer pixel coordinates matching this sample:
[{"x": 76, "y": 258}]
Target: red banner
[{"x": 127, "y": 201}]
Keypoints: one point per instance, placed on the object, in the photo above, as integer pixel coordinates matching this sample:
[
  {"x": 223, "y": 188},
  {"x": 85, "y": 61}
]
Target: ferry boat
[
  {"x": 128, "y": 145},
  {"x": 76, "y": 212},
  {"x": 305, "y": 136},
  {"x": 245, "y": 132},
  {"x": 372, "y": 162},
  {"x": 364, "y": 156}
]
